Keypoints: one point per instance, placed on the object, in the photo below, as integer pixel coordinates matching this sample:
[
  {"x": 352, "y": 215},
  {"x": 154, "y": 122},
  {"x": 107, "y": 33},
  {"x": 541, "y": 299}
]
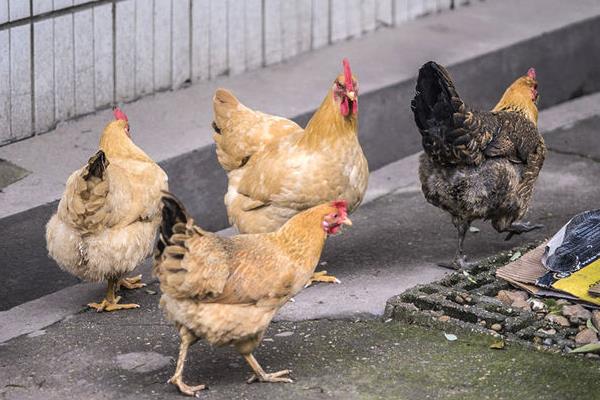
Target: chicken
[
  {"x": 109, "y": 214},
  {"x": 227, "y": 289},
  {"x": 478, "y": 165},
  {"x": 276, "y": 169}
]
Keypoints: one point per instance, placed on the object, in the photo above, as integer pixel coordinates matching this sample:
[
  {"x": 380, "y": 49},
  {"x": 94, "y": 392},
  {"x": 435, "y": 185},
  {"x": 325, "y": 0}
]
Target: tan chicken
[
  {"x": 478, "y": 164},
  {"x": 109, "y": 214},
  {"x": 276, "y": 169},
  {"x": 227, "y": 290}
]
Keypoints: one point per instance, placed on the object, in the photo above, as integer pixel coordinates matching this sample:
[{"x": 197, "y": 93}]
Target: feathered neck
[
  {"x": 116, "y": 143},
  {"x": 303, "y": 237},
  {"x": 517, "y": 98},
  {"x": 328, "y": 124}
]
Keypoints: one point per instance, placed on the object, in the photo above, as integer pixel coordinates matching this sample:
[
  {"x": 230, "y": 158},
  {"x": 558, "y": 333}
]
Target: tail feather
[
  {"x": 224, "y": 103},
  {"x": 85, "y": 207},
  {"x": 451, "y": 133},
  {"x": 96, "y": 166},
  {"x": 173, "y": 213},
  {"x": 437, "y": 100}
]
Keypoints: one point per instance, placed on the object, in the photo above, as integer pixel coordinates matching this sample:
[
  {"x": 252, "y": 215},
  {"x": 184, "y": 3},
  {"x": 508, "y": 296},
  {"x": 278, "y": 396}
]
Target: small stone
[
  {"x": 496, "y": 327},
  {"x": 444, "y": 318},
  {"x": 468, "y": 299},
  {"x": 548, "y": 342},
  {"x": 520, "y": 303},
  {"x": 284, "y": 334},
  {"x": 557, "y": 319},
  {"x": 581, "y": 327},
  {"x": 537, "y": 340},
  {"x": 562, "y": 302},
  {"x": 576, "y": 311},
  {"x": 548, "y": 332},
  {"x": 459, "y": 300},
  {"x": 508, "y": 297},
  {"x": 596, "y": 319},
  {"x": 482, "y": 323},
  {"x": 537, "y": 305},
  {"x": 586, "y": 336}
]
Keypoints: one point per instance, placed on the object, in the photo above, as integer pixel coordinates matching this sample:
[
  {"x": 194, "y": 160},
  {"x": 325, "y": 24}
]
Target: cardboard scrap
[{"x": 581, "y": 285}]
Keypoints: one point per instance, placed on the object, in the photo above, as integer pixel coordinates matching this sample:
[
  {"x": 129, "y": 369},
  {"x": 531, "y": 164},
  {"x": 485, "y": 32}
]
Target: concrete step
[
  {"x": 174, "y": 127},
  {"x": 397, "y": 238}
]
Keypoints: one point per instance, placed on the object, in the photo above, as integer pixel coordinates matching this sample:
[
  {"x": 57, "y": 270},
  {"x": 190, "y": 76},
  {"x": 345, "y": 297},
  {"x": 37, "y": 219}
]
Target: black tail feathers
[
  {"x": 173, "y": 212},
  {"x": 216, "y": 127},
  {"x": 96, "y": 165},
  {"x": 436, "y": 97}
]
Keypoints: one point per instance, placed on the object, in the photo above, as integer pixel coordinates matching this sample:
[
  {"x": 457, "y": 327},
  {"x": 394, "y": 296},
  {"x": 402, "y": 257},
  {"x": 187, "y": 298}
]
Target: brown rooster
[
  {"x": 276, "y": 169},
  {"x": 227, "y": 290},
  {"x": 108, "y": 217},
  {"x": 478, "y": 165}
]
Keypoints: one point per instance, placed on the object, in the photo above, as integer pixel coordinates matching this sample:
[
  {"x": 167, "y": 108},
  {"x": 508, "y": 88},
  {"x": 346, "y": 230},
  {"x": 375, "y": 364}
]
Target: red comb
[
  {"x": 531, "y": 73},
  {"x": 341, "y": 205},
  {"x": 348, "y": 75},
  {"x": 119, "y": 114}
]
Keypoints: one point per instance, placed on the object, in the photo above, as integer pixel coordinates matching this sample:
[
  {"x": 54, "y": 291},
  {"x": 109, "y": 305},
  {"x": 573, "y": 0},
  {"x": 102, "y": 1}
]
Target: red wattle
[{"x": 344, "y": 108}]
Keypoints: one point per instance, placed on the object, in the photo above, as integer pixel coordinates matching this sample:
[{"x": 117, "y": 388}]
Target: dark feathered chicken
[{"x": 478, "y": 165}]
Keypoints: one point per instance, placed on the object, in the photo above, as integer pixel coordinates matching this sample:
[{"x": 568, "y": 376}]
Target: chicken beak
[
  {"x": 351, "y": 95},
  {"x": 346, "y": 221}
]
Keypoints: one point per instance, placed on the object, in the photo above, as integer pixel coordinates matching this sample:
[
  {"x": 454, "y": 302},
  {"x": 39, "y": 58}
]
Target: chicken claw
[
  {"x": 272, "y": 377},
  {"x": 111, "y": 302},
  {"x": 107, "y": 305},
  {"x": 185, "y": 389},
  {"x": 135, "y": 282},
  {"x": 261, "y": 376},
  {"x": 516, "y": 228},
  {"x": 321, "y": 276},
  {"x": 459, "y": 264}
]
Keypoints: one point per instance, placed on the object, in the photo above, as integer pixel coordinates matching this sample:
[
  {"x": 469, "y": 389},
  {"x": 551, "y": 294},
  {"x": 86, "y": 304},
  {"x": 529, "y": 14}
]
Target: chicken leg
[
  {"x": 460, "y": 260},
  {"x": 261, "y": 376},
  {"x": 321, "y": 276},
  {"x": 518, "y": 227},
  {"x": 111, "y": 302},
  {"x": 187, "y": 339},
  {"x": 135, "y": 282}
]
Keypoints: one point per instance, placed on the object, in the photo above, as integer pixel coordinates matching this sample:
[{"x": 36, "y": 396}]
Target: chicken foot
[
  {"x": 321, "y": 276},
  {"x": 187, "y": 339},
  {"x": 516, "y": 228},
  {"x": 460, "y": 260},
  {"x": 111, "y": 301},
  {"x": 135, "y": 282},
  {"x": 261, "y": 376}
]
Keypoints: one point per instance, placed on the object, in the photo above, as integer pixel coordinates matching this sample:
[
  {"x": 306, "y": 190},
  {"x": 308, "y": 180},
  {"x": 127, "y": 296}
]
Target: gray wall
[{"x": 63, "y": 58}]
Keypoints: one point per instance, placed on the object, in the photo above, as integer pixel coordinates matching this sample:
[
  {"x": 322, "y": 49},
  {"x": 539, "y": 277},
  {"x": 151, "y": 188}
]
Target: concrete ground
[
  {"x": 395, "y": 242},
  {"x": 114, "y": 357}
]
